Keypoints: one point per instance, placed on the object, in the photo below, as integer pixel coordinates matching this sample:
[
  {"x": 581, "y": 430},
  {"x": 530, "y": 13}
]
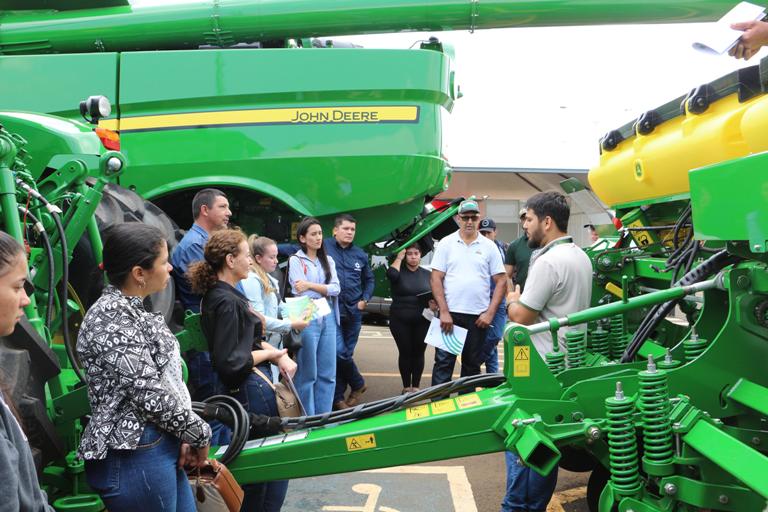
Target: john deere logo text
[{"x": 355, "y": 115}]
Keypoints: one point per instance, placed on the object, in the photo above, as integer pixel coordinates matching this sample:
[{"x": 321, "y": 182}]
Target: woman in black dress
[{"x": 406, "y": 322}]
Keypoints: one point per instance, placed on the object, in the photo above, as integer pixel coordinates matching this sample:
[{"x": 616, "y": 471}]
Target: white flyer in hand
[
  {"x": 453, "y": 342},
  {"x": 323, "y": 308},
  {"x": 719, "y": 37}
]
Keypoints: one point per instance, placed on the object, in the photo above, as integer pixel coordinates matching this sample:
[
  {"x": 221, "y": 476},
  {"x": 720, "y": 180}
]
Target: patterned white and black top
[{"x": 129, "y": 356}]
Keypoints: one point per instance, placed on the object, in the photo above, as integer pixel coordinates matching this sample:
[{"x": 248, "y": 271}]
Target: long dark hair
[
  {"x": 130, "y": 245},
  {"x": 10, "y": 249},
  {"x": 301, "y": 230}
]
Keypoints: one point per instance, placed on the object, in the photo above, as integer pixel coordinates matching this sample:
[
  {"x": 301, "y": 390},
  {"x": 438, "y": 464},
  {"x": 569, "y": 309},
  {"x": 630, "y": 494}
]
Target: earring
[{"x": 142, "y": 284}]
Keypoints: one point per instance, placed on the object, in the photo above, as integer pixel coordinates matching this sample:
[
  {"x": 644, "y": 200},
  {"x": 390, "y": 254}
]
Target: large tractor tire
[
  {"x": 117, "y": 206},
  {"x": 27, "y": 363}
]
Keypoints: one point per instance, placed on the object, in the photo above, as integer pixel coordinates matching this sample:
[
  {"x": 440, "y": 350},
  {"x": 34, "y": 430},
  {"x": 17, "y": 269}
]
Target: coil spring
[
  {"x": 622, "y": 446},
  {"x": 599, "y": 342},
  {"x": 657, "y": 426},
  {"x": 618, "y": 342},
  {"x": 693, "y": 348},
  {"x": 575, "y": 344},
  {"x": 555, "y": 361},
  {"x": 619, "y": 346}
]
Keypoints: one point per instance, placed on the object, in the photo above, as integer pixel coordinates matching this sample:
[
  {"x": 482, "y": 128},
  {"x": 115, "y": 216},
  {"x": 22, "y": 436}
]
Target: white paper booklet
[
  {"x": 719, "y": 37},
  {"x": 323, "y": 308},
  {"x": 453, "y": 343}
]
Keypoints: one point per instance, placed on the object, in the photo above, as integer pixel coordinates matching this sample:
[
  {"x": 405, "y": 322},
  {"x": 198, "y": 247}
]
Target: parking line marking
[{"x": 461, "y": 490}]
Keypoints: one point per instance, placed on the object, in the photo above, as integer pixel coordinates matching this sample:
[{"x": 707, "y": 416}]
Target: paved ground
[{"x": 470, "y": 484}]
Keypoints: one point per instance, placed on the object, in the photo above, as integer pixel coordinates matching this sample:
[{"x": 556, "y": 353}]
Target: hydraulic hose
[
  {"x": 659, "y": 312},
  {"x": 55, "y": 213},
  {"x": 40, "y": 230},
  {"x": 230, "y": 412},
  {"x": 246, "y": 425},
  {"x": 391, "y": 404},
  {"x": 65, "y": 297}
]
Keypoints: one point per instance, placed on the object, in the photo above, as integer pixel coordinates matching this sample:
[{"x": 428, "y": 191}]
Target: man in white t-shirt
[
  {"x": 462, "y": 268},
  {"x": 559, "y": 283}
]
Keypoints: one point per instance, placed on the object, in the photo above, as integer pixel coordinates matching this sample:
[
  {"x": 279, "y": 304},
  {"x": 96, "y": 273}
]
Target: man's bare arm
[{"x": 438, "y": 292}]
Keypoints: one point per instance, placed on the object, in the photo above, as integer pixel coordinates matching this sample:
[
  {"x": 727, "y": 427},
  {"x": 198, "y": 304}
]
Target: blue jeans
[
  {"x": 527, "y": 491},
  {"x": 204, "y": 383},
  {"x": 315, "y": 378},
  {"x": 258, "y": 397},
  {"x": 495, "y": 332},
  {"x": 347, "y": 374},
  {"x": 142, "y": 479},
  {"x": 472, "y": 355}
]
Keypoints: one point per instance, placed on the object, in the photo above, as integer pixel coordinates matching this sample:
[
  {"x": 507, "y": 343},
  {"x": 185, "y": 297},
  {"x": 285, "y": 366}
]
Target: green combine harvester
[{"x": 245, "y": 96}]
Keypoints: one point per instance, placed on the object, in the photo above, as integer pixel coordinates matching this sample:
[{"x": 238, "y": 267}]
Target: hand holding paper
[
  {"x": 452, "y": 342},
  {"x": 724, "y": 36}
]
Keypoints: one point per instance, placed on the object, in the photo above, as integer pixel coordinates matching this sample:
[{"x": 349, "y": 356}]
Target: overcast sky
[{"x": 543, "y": 97}]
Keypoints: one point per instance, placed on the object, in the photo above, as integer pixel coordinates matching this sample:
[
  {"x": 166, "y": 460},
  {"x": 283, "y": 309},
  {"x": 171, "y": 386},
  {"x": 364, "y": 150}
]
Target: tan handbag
[
  {"x": 215, "y": 489},
  {"x": 288, "y": 403}
]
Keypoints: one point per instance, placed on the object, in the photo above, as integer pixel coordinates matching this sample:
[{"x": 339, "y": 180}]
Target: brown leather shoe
[
  {"x": 340, "y": 405},
  {"x": 354, "y": 396}
]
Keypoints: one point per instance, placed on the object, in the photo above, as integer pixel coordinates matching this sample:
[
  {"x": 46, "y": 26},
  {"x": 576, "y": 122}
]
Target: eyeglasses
[{"x": 467, "y": 218}]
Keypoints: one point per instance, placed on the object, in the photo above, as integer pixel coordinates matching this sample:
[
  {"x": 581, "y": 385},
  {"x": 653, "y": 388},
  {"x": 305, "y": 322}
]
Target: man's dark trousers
[
  {"x": 471, "y": 355},
  {"x": 347, "y": 373}
]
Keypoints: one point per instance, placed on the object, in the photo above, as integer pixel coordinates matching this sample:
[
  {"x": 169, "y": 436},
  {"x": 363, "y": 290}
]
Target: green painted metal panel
[
  {"x": 226, "y": 22},
  {"x": 49, "y": 136},
  {"x": 745, "y": 463},
  {"x": 718, "y": 215},
  {"x": 75, "y": 77},
  {"x": 319, "y": 168}
]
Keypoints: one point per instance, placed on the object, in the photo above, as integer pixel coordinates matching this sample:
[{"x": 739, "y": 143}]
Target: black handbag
[{"x": 291, "y": 339}]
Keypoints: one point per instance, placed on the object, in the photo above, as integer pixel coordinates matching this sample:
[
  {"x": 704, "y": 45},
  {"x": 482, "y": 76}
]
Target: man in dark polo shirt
[{"x": 518, "y": 256}]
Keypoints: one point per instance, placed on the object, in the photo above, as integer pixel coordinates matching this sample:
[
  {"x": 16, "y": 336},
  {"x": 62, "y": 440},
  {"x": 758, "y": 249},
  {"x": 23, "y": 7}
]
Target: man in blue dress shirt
[{"x": 210, "y": 209}]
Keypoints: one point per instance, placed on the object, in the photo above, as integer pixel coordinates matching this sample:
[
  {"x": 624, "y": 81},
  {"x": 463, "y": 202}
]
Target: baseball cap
[
  {"x": 469, "y": 206},
  {"x": 523, "y": 212},
  {"x": 487, "y": 225}
]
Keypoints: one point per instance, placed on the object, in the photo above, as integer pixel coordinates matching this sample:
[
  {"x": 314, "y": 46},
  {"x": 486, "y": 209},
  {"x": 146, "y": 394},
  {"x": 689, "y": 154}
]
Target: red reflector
[{"x": 110, "y": 139}]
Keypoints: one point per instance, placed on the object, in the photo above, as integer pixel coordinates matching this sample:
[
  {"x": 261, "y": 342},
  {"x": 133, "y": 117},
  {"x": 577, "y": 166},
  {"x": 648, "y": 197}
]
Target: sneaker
[
  {"x": 354, "y": 397},
  {"x": 340, "y": 405}
]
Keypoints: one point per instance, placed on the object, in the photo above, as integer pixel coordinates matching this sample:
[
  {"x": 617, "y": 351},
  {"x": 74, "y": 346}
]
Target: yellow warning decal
[
  {"x": 415, "y": 413},
  {"x": 642, "y": 238},
  {"x": 443, "y": 406},
  {"x": 467, "y": 401},
  {"x": 363, "y": 442},
  {"x": 522, "y": 362},
  {"x": 313, "y": 115}
]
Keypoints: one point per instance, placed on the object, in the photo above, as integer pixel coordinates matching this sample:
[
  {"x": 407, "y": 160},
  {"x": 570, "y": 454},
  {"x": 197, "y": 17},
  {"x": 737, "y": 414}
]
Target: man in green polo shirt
[{"x": 518, "y": 256}]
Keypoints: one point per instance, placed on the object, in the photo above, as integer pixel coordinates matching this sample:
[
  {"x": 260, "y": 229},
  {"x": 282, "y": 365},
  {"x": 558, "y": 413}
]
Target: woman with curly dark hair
[{"x": 233, "y": 331}]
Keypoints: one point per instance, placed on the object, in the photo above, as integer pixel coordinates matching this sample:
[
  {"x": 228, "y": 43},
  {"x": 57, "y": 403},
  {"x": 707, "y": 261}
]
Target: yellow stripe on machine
[{"x": 311, "y": 115}]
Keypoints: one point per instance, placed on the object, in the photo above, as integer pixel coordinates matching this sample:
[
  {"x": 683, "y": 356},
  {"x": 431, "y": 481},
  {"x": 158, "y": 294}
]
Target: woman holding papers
[
  {"x": 312, "y": 274},
  {"x": 233, "y": 331},
  {"x": 407, "y": 323},
  {"x": 262, "y": 291}
]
